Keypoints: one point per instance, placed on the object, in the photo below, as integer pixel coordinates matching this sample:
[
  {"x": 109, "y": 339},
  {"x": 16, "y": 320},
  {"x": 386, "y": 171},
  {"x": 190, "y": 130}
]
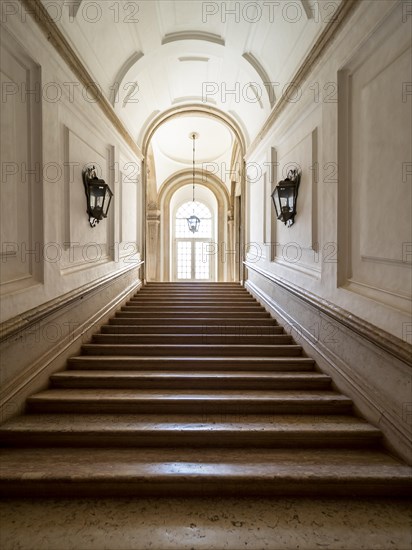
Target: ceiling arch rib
[
  {"x": 243, "y": 42},
  {"x": 198, "y": 70},
  {"x": 264, "y": 77},
  {"x": 192, "y": 110},
  {"x": 120, "y": 77},
  {"x": 172, "y": 147}
]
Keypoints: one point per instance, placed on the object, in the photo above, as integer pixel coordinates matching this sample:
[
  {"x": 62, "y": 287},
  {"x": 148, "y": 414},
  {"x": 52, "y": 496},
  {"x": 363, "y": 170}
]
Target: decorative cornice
[
  {"x": 379, "y": 337},
  {"x": 13, "y": 326},
  {"x": 55, "y": 37},
  {"x": 344, "y": 11}
]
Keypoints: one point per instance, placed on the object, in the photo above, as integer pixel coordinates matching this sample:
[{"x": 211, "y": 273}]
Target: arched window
[
  {"x": 192, "y": 252},
  {"x": 202, "y": 212}
]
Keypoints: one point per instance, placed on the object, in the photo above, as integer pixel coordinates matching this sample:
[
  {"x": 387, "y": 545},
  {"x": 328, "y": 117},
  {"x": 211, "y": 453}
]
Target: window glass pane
[
  {"x": 184, "y": 260},
  {"x": 202, "y": 212},
  {"x": 202, "y": 261}
]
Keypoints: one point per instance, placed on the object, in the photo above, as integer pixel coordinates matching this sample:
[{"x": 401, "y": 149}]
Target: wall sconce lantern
[
  {"x": 285, "y": 197},
  {"x": 99, "y": 196}
]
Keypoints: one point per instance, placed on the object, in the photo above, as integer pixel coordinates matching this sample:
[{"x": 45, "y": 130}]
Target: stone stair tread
[
  {"x": 190, "y": 379},
  {"x": 236, "y": 413},
  {"x": 188, "y": 422},
  {"x": 189, "y": 471},
  {"x": 194, "y": 314},
  {"x": 122, "y": 362},
  {"x": 177, "y": 347},
  {"x": 165, "y": 374},
  {"x": 192, "y": 350},
  {"x": 227, "y": 321},
  {"x": 218, "y": 329},
  {"x": 179, "y": 395},
  {"x": 189, "y": 339},
  {"x": 194, "y": 360}
]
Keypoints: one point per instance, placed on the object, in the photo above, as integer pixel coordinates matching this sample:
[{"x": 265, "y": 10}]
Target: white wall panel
[
  {"x": 21, "y": 165},
  {"x": 379, "y": 148}
]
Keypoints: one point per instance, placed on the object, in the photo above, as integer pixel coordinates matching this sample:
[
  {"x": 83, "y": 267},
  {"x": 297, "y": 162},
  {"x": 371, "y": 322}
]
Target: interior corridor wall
[
  {"x": 51, "y": 127},
  {"x": 339, "y": 279}
]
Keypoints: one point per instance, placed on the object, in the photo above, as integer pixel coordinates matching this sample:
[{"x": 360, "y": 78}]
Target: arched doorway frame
[
  {"x": 166, "y": 192},
  {"x": 154, "y": 217},
  {"x": 210, "y": 204}
]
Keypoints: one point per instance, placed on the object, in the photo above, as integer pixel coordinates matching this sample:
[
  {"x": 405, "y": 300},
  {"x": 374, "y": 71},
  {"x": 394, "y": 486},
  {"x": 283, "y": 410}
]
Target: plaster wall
[
  {"x": 347, "y": 129},
  {"x": 51, "y": 127},
  {"x": 48, "y": 247}
]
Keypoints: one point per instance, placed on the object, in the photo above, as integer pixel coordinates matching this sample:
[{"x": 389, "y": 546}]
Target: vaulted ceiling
[{"x": 150, "y": 56}]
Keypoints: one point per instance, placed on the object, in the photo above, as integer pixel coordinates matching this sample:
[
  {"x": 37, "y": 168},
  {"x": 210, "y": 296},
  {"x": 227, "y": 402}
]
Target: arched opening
[
  {"x": 219, "y": 172},
  {"x": 193, "y": 253}
]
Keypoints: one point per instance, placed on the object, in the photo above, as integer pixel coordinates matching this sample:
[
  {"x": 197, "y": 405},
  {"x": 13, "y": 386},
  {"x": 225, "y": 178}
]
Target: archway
[
  {"x": 193, "y": 254},
  {"x": 230, "y": 233}
]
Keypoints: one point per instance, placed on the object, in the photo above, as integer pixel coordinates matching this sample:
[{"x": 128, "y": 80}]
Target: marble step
[
  {"x": 191, "y": 339},
  {"x": 183, "y": 313},
  {"x": 192, "y": 284},
  {"x": 218, "y": 329},
  {"x": 190, "y": 306},
  {"x": 137, "y": 472},
  {"x": 176, "y": 293},
  {"x": 190, "y": 430},
  {"x": 268, "y": 364},
  {"x": 200, "y": 302},
  {"x": 204, "y": 296},
  {"x": 188, "y": 401},
  {"x": 126, "y": 317},
  {"x": 193, "y": 350},
  {"x": 190, "y": 380}
]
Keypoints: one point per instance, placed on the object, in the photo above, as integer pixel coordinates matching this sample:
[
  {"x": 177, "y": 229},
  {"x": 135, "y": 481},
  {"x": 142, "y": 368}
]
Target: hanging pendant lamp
[{"x": 193, "y": 221}]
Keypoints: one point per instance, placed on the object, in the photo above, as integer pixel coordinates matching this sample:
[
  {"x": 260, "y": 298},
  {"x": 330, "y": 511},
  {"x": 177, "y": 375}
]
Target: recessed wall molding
[
  {"x": 82, "y": 145},
  {"x": 379, "y": 337},
  {"x": 21, "y": 205},
  {"x": 14, "y": 326},
  {"x": 373, "y": 261}
]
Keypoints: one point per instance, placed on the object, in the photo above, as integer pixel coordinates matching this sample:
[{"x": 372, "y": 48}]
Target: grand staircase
[{"x": 192, "y": 388}]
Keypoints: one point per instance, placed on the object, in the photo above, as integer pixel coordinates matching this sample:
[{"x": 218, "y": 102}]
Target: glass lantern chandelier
[{"x": 193, "y": 221}]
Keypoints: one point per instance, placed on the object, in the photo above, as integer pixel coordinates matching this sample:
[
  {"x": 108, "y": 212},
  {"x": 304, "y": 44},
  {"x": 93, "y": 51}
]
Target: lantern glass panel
[
  {"x": 276, "y": 200},
  {"x": 107, "y": 199}
]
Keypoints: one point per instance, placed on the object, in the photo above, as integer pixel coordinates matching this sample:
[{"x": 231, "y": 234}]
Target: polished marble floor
[{"x": 207, "y": 524}]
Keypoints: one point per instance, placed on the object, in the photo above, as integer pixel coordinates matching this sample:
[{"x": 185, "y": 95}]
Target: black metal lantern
[
  {"x": 99, "y": 196},
  {"x": 193, "y": 221},
  {"x": 285, "y": 197}
]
